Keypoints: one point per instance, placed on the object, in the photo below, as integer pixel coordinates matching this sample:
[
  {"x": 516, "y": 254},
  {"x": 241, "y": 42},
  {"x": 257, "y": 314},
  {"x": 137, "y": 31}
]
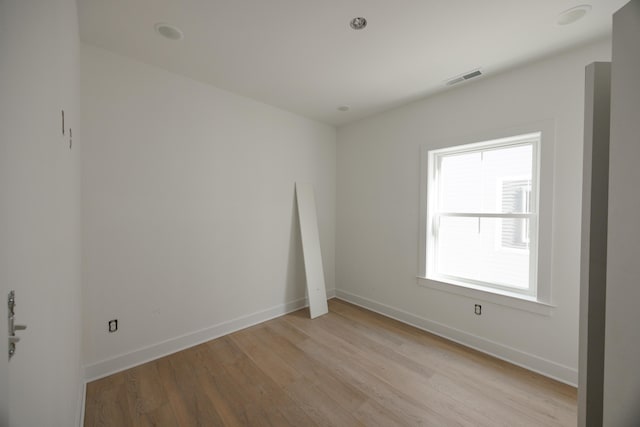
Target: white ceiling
[{"x": 302, "y": 56}]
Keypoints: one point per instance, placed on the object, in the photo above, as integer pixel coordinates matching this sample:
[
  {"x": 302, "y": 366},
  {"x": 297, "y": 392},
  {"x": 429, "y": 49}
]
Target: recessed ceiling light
[
  {"x": 169, "y": 31},
  {"x": 358, "y": 23},
  {"x": 574, "y": 14},
  {"x": 344, "y": 108}
]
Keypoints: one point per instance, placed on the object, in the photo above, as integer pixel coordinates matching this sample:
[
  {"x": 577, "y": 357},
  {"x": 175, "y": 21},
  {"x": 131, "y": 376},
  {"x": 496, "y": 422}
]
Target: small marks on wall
[{"x": 64, "y": 131}]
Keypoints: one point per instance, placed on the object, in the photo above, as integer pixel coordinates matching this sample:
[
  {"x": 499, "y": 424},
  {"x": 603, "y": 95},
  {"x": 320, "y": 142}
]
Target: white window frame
[
  {"x": 434, "y": 214},
  {"x": 540, "y": 302}
]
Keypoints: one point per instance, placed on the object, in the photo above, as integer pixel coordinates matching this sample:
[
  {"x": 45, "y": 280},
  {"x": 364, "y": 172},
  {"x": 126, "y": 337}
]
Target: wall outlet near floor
[
  {"x": 113, "y": 325},
  {"x": 477, "y": 309}
]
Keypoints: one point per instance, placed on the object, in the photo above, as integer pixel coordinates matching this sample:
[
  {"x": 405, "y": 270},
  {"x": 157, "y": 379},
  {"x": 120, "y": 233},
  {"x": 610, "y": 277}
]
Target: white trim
[
  {"x": 548, "y": 368},
  {"x": 492, "y": 287},
  {"x": 490, "y": 294},
  {"x": 137, "y": 357},
  {"x": 541, "y": 266},
  {"x": 491, "y": 144},
  {"x": 82, "y": 400},
  {"x": 425, "y": 167},
  {"x": 488, "y": 215}
]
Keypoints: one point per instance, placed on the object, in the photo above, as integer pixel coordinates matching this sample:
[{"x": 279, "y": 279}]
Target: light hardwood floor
[{"x": 350, "y": 367}]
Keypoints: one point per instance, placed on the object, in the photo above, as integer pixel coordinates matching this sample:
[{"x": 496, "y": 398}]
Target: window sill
[{"x": 495, "y": 296}]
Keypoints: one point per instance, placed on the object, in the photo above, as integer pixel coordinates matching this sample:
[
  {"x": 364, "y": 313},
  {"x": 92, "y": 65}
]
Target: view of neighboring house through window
[
  {"x": 483, "y": 214},
  {"x": 515, "y": 197}
]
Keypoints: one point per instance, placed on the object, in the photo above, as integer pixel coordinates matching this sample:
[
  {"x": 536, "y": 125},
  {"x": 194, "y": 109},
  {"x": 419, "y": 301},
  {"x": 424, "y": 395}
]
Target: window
[{"x": 482, "y": 214}]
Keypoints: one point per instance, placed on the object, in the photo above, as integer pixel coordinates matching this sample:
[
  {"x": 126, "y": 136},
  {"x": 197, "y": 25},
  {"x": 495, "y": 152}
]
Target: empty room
[{"x": 330, "y": 213}]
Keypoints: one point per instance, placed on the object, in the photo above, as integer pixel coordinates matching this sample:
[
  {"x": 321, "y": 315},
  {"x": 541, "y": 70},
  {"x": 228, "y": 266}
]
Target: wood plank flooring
[{"x": 350, "y": 367}]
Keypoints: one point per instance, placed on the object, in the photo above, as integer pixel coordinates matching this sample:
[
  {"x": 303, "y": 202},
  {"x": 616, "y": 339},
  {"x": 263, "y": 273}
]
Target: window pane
[
  {"x": 507, "y": 176},
  {"x": 491, "y": 250},
  {"x": 490, "y": 181},
  {"x": 460, "y": 186}
]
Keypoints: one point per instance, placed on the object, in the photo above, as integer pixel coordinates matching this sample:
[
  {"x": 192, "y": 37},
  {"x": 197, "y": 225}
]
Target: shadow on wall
[{"x": 296, "y": 281}]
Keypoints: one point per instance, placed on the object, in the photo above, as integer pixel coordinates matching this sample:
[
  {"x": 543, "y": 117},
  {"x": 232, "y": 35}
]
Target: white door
[{"x": 39, "y": 212}]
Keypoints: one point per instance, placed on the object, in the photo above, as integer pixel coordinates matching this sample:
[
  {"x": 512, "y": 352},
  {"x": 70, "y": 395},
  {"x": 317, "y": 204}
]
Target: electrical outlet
[
  {"x": 113, "y": 325},
  {"x": 477, "y": 309}
]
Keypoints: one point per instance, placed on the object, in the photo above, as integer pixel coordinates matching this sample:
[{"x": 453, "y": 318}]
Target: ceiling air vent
[{"x": 466, "y": 76}]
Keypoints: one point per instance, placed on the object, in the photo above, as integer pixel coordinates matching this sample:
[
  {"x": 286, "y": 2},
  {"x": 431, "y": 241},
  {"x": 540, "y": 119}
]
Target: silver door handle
[
  {"x": 13, "y": 339},
  {"x": 13, "y": 327}
]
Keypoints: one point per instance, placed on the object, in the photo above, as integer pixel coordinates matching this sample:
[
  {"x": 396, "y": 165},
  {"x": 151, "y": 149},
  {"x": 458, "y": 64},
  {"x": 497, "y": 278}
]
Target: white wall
[
  {"x": 622, "y": 335},
  {"x": 378, "y": 209},
  {"x": 40, "y": 208},
  {"x": 188, "y": 198}
]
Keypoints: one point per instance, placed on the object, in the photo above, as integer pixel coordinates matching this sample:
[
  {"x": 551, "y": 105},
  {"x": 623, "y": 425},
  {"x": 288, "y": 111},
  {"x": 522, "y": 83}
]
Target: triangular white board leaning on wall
[{"x": 311, "y": 250}]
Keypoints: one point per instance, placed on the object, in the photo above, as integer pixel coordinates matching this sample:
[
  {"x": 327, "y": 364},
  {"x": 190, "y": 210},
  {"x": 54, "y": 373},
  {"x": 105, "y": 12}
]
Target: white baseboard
[
  {"x": 528, "y": 361},
  {"x": 137, "y": 357},
  {"x": 82, "y": 403}
]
